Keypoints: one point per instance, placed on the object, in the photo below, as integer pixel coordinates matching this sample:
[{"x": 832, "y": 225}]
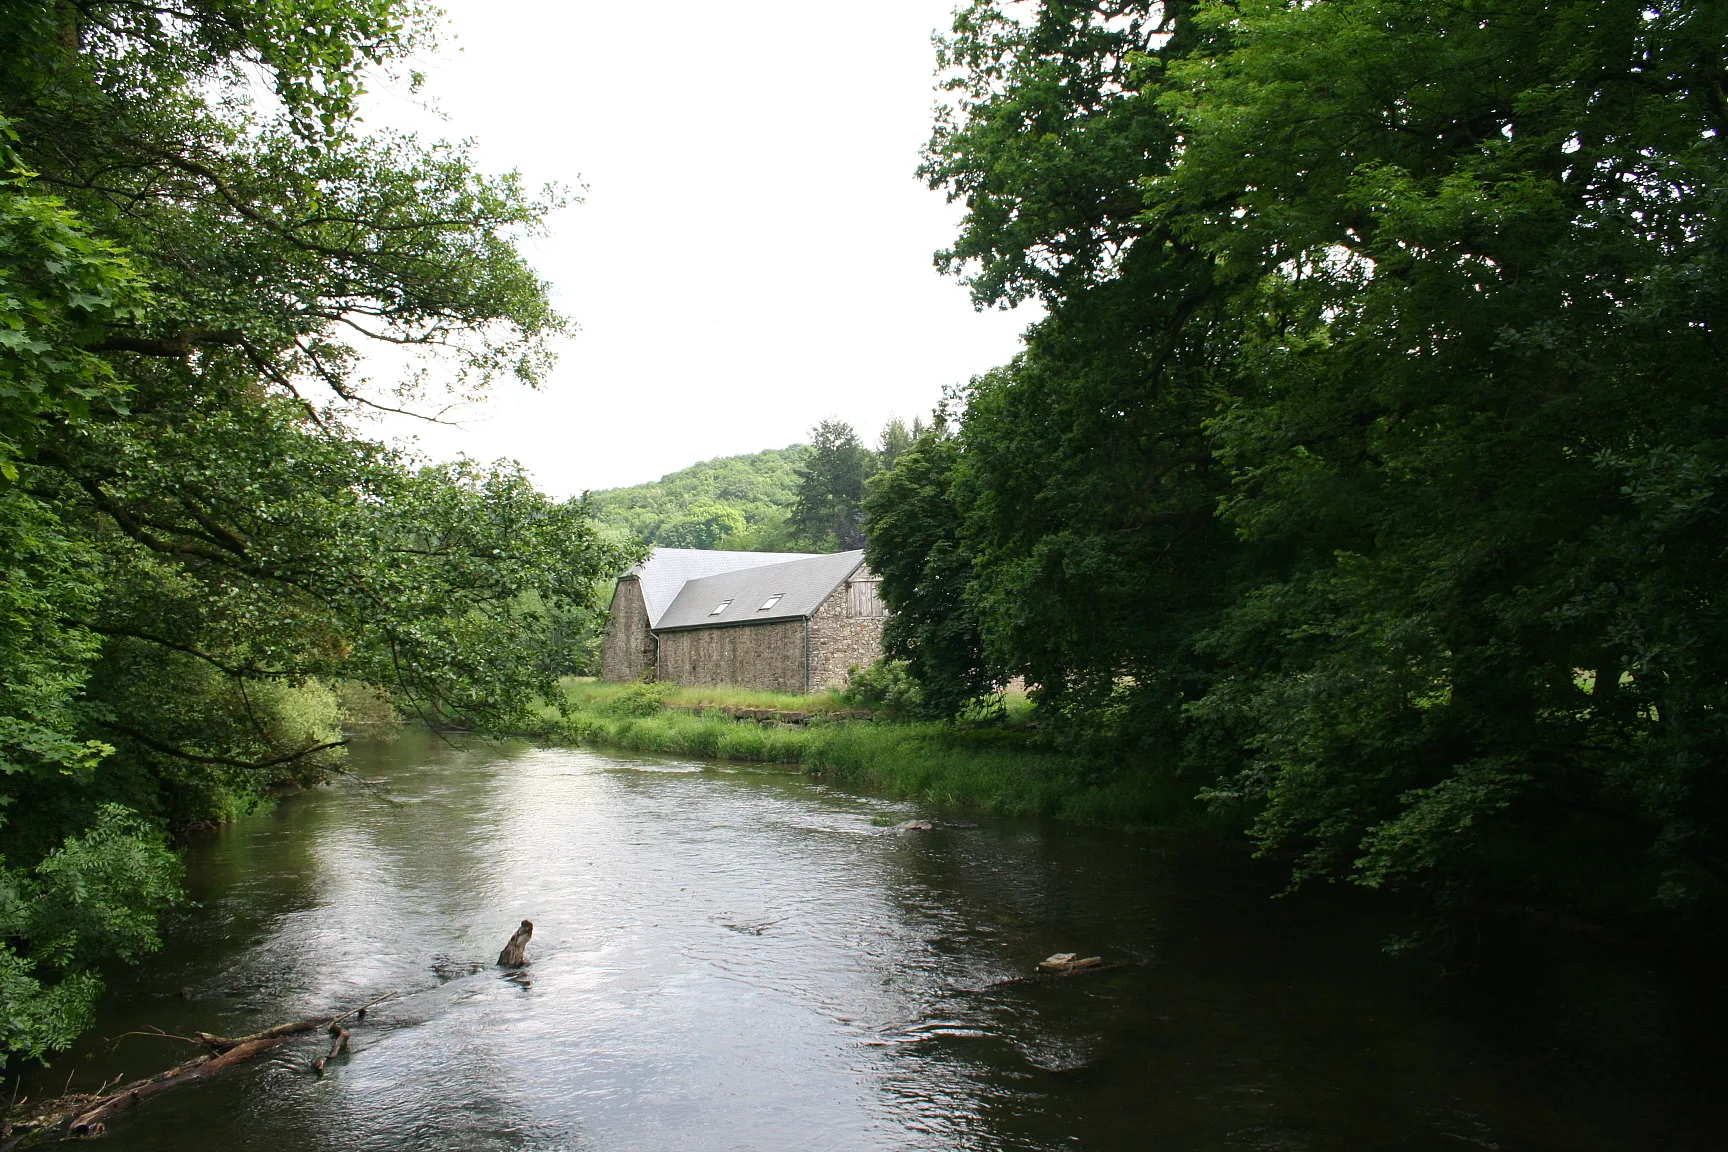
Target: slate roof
[
  {"x": 667, "y": 570},
  {"x": 802, "y": 585}
]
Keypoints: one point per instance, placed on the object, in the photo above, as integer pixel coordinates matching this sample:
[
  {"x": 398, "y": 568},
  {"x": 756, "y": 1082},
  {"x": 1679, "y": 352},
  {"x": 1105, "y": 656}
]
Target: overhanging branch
[
  {"x": 156, "y": 745},
  {"x": 178, "y": 345}
]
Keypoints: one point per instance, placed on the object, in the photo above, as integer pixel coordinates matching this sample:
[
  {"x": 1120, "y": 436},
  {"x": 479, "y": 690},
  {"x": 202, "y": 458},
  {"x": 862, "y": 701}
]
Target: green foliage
[
  {"x": 897, "y": 436},
  {"x": 59, "y": 286},
  {"x": 95, "y": 897},
  {"x": 636, "y": 700},
  {"x": 887, "y": 687},
  {"x": 993, "y": 770},
  {"x": 302, "y": 715},
  {"x": 703, "y": 526},
  {"x": 42, "y": 1018},
  {"x": 829, "y": 510},
  {"x": 732, "y": 502},
  {"x": 1380, "y": 393},
  {"x": 98, "y": 894},
  {"x": 44, "y": 587},
  {"x": 915, "y": 548},
  {"x": 195, "y": 543},
  {"x": 1465, "y": 328},
  {"x": 367, "y": 708}
]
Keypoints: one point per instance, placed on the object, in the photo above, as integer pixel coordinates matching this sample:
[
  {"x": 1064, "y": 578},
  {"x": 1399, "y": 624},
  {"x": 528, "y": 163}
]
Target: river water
[{"x": 735, "y": 959}]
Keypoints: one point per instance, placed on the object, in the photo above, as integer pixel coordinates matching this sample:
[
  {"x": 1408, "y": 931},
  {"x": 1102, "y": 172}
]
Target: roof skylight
[
  {"x": 724, "y": 604},
  {"x": 771, "y": 601}
]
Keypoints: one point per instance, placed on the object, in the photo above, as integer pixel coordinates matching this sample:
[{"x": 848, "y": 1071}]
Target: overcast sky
[{"x": 753, "y": 251}]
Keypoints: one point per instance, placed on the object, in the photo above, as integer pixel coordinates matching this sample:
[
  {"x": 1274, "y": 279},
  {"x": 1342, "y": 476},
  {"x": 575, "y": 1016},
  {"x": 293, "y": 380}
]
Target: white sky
[{"x": 753, "y": 252}]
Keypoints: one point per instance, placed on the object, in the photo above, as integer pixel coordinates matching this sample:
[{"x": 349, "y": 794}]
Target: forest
[
  {"x": 802, "y": 498},
  {"x": 1363, "y": 482},
  {"x": 732, "y": 502},
  {"x": 1367, "y": 472}
]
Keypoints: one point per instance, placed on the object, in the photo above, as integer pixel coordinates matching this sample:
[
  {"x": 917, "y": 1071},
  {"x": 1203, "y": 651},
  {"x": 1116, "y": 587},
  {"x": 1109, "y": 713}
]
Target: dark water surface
[{"x": 732, "y": 959}]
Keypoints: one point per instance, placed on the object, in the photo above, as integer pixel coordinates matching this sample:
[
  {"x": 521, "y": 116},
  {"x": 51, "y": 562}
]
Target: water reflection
[{"x": 748, "y": 960}]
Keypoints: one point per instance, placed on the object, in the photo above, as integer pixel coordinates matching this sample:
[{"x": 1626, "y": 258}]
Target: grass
[
  {"x": 1002, "y": 769},
  {"x": 598, "y": 695}
]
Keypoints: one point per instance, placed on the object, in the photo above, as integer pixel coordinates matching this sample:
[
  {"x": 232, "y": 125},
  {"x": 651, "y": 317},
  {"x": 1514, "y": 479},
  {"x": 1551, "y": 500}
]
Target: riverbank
[{"x": 1000, "y": 769}]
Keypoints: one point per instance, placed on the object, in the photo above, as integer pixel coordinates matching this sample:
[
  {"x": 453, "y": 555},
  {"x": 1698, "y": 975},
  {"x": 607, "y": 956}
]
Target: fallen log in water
[
  {"x": 131, "y": 1095},
  {"x": 1047, "y": 971},
  {"x": 88, "y": 1114},
  {"x": 220, "y": 1044},
  {"x": 1069, "y": 962}
]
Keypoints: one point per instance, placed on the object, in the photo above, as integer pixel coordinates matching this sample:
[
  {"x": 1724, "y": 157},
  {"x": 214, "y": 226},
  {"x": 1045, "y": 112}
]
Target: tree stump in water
[{"x": 515, "y": 953}]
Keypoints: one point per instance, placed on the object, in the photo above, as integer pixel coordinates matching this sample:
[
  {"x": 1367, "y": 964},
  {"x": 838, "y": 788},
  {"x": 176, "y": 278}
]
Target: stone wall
[
  {"x": 766, "y": 657},
  {"x": 628, "y": 648},
  {"x": 840, "y": 639}
]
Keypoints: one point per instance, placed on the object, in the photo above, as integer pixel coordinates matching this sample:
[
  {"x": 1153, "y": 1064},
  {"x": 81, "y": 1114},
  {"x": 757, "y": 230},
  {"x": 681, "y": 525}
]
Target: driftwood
[
  {"x": 515, "y": 953},
  {"x": 131, "y": 1095},
  {"x": 1069, "y": 962},
  {"x": 220, "y": 1044},
  {"x": 1051, "y": 975},
  {"x": 360, "y": 1012},
  {"x": 88, "y": 1114},
  {"x": 340, "y": 1042}
]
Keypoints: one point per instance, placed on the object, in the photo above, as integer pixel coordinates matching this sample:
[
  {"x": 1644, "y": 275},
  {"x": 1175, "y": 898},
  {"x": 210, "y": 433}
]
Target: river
[{"x": 746, "y": 959}]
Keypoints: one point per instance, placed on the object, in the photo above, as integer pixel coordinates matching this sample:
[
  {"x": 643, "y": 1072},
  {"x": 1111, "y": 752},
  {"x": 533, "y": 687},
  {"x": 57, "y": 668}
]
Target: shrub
[
  {"x": 887, "y": 687},
  {"x": 639, "y": 699}
]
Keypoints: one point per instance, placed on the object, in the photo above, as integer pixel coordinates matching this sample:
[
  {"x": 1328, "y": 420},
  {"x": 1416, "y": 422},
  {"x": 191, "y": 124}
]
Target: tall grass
[
  {"x": 586, "y": 694},
  {"x": 1003, "y": 771},
  {"x": 592, "y": 695}
]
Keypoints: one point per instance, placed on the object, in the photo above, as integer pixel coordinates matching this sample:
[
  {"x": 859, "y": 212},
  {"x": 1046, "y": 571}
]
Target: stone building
[{"x": 775, "y": 621}]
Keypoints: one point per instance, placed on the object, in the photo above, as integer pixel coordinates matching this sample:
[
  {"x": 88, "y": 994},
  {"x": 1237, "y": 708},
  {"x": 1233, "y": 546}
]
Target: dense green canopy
[
  {"x": 732, "y": 502},
  {"x": 197, "y": 550},
  {"x": 801, "y": 498},
  {"x": 1369, "y": 467}
]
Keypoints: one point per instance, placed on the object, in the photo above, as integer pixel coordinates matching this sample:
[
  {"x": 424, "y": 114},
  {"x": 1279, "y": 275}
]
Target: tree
[
  {"x": 897, "y": 436},
  {"x": 702, "y": 526},
  {"x": 1371, "y": 449},
  {"x": 1481, "y": 335},
  {"x": 829, "y": 509},
  {"x": 1085, "y": 480},
  {"x": 915, "y": 545},
  {"x": 194, "y": 543}
]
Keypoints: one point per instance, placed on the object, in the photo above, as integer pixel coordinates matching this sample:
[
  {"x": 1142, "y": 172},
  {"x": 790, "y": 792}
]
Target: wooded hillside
[{"x": 735, "y": 502}]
